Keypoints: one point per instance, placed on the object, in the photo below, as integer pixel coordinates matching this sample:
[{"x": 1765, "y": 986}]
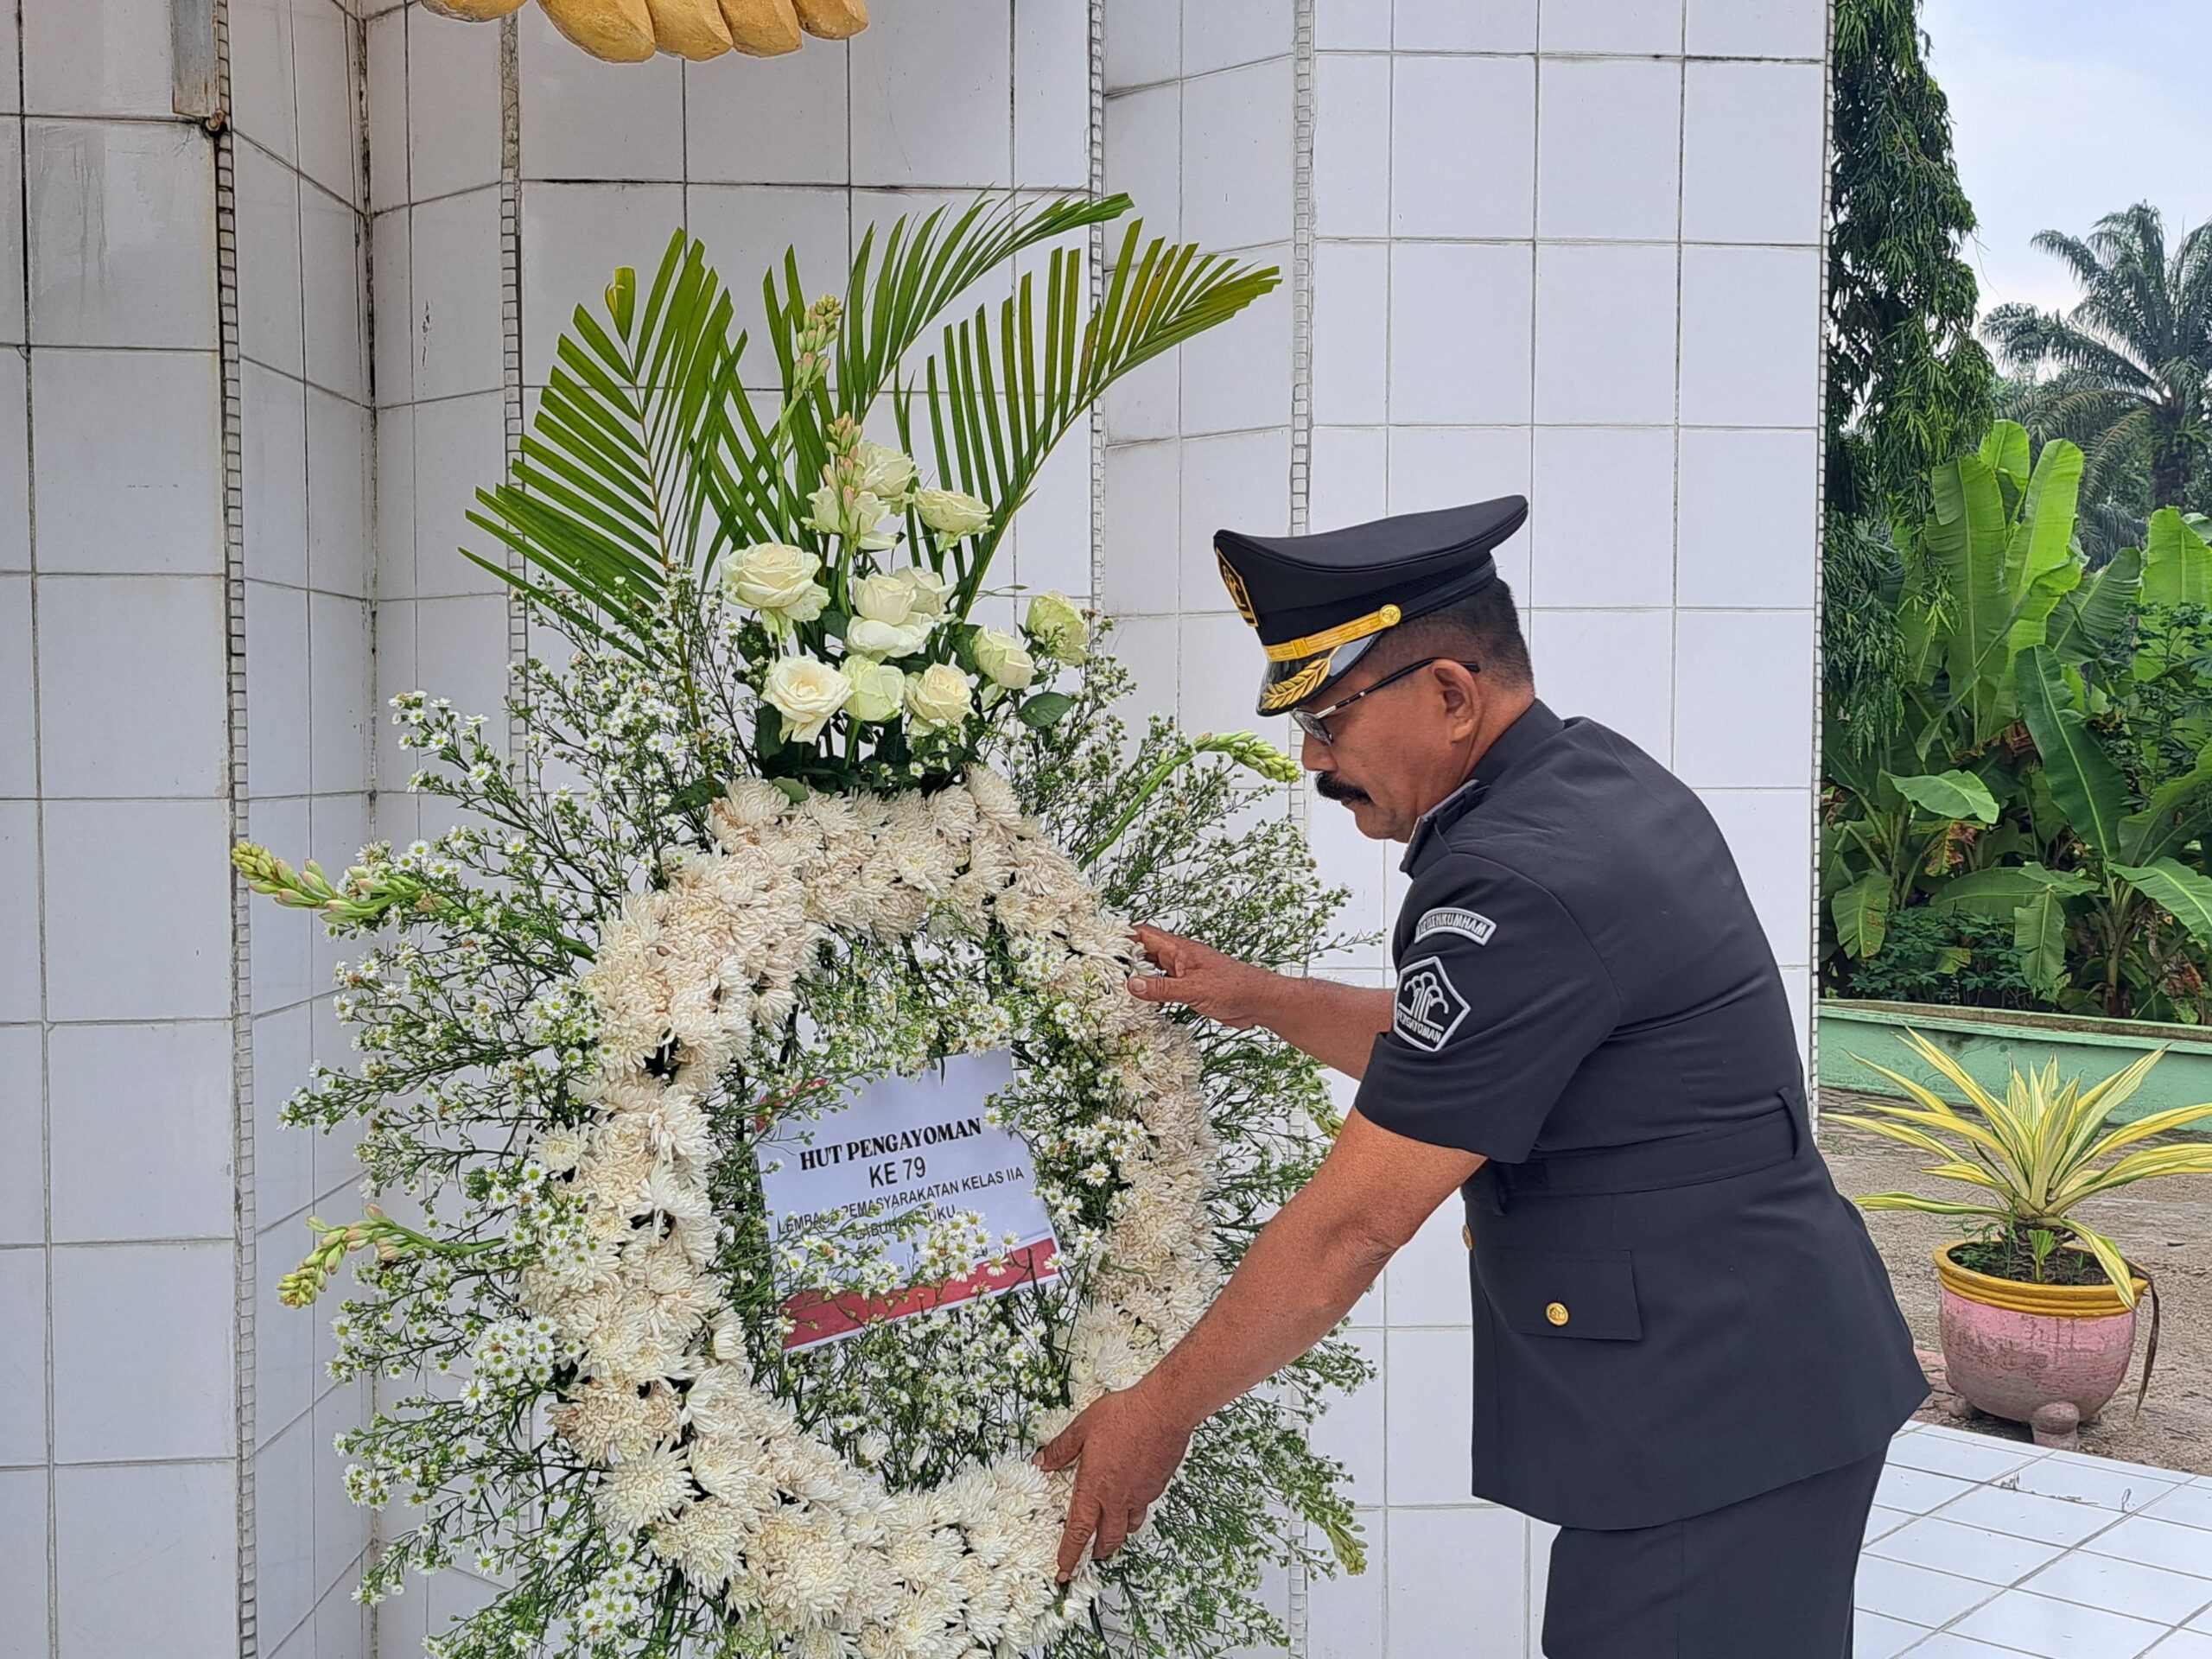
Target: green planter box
[{"x": 1990, "y": 1043}]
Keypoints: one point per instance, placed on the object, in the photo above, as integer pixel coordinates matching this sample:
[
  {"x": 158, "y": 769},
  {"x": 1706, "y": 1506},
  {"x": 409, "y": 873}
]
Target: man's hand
[
  {"x": 1125, "y": 1450},
  {"x": 1236, "y": 994}
]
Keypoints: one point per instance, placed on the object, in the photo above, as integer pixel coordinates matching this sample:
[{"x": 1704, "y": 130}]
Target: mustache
[{"x": 1330, "y": 787}]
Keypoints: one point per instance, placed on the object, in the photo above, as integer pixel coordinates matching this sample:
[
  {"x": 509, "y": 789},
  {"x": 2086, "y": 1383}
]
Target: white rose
[
  {"x": 885, "y": 597},
  {"x": 883, "y": 472},
  {"x": 938, "y": 696},
  {"x": 928, "y": 591},
  {"x": 1056, "y": 624},
  {"x": 805, "y": 691},
  {"x": 776, "y": 578},
  {"x": 879, "y": 690},
  {"x": 884, "y": 621},
  {"x": 951, "y": 513},
  {"x": 1002, "y": 656}
]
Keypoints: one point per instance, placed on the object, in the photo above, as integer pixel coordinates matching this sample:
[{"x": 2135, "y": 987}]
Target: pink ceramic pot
[{"x": 2015, "y": 1350}]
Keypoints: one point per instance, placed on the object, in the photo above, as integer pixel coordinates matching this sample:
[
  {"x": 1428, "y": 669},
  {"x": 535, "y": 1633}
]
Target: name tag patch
[
  {"x": 1472, "y": 923},
  {"x": 1429, "y": 1007}
]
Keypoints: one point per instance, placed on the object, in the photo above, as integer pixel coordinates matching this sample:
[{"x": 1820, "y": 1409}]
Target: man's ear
[{"x": 1463, "y": 696}]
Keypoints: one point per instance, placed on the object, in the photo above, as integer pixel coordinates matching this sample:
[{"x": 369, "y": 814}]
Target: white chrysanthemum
[
  {"x": 802, "y": 1558},
  {"x": 601, "y": 1420},
  {"x": 644, "y": 1490}
]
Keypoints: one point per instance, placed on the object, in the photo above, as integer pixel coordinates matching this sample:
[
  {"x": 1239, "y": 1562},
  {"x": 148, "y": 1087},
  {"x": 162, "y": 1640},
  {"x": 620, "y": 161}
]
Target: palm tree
[{"x": 2133, "y": 358}]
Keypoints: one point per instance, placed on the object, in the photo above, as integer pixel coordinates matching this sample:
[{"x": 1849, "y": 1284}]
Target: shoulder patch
[
  {"x": 1472, "y": 923},
  {"x": 1429, "y": 1007}
]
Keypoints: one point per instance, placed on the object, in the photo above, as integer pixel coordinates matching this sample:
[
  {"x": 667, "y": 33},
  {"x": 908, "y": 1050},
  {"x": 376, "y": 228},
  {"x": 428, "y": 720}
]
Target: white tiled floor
[{"x": 1984, "y": 1548}]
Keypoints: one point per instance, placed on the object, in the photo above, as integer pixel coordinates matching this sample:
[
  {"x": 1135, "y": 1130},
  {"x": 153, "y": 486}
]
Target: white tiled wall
[
  {"x": 1567, "y": 248},
  {"x": 117, "y": 1476},
  {"x": 309, "y": 465},
  {"x": 127, "y": 1218}
]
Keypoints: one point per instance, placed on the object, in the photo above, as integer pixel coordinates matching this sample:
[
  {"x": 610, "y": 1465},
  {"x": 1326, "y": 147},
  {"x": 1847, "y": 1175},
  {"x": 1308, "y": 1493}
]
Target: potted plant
[{"x": 2038, "y": 1310}]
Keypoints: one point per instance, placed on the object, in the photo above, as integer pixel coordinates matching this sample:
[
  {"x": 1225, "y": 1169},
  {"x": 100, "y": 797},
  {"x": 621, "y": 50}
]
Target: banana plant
[
  {"x": 2176, "y": 565},
  {"x": 1903, "y": 828},
  {"x": 1999, "y": 560},
  {"x": 2129, "y": 884}
]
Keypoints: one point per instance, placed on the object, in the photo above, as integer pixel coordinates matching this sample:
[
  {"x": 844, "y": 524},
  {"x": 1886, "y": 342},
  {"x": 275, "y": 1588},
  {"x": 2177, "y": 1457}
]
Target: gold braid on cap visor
[
  {"x": 1298, "y": 687},
  {"x": 1322, "y": 648},
  {"x": 1343, "y": 634}
]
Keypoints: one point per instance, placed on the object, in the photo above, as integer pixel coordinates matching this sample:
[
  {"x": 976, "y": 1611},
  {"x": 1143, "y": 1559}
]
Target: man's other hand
[
  {"x": 1220, "y": 987},
  {"x": 1126, "y": 1450}
]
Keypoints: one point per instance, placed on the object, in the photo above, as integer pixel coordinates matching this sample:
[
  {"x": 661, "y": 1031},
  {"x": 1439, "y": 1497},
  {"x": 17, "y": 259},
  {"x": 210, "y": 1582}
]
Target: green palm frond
[
  {"x": 612, "y": 495},
  {"x": 646, "y": 459},
  {"x": 997, "y": 398},
  {"x": 892, "y": 298}
]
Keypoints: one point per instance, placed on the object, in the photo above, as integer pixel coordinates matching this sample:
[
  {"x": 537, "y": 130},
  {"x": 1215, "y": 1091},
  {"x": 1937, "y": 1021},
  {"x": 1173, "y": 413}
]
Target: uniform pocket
[{"x": 1590, "y": 1294}]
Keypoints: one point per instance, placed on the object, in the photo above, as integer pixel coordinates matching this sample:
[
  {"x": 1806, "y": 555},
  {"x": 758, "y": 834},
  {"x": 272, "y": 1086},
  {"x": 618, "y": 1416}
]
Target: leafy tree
[
  {"x": 2134, "y": 357},
  {"x": 1908, "y": 384}
]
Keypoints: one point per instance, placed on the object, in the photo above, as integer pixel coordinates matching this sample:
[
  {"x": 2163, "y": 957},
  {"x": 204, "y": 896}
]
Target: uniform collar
[{"x": 1535, "y": 724}]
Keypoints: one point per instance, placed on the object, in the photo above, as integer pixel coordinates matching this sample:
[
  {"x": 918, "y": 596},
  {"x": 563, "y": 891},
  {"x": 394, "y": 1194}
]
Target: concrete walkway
[{"x": 1985, "y": 1548}]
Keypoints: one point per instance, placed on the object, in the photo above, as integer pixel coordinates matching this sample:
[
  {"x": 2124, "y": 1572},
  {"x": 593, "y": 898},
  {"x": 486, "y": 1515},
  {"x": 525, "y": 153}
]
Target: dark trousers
[{"x": 1769, "y": 1578}]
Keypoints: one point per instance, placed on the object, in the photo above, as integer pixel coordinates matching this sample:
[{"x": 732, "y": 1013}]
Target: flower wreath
[{"x": 715, "y": 1470}]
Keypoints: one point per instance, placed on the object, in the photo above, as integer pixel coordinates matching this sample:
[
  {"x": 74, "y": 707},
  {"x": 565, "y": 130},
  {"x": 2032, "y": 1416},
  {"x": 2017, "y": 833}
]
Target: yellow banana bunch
[{"x": 630, "y": 31}]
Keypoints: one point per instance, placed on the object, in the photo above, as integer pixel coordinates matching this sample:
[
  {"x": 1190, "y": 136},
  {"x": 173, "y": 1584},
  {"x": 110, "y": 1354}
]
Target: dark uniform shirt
[{"x": 1673, "y": 1307}]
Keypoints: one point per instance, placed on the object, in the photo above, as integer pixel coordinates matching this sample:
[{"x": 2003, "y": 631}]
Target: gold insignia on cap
[
  {"x": 1343, "y": 634},
  {"x": 1235, "y": 583},
  {"x": 1298, "y": 686}
]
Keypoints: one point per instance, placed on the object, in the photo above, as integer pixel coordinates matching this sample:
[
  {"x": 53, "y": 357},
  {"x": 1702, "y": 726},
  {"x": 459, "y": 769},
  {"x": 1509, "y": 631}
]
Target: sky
[{"x": 2064, "y": 110}]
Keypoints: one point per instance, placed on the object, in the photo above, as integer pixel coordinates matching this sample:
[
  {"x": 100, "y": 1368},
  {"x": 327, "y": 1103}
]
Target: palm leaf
[
  {"x": 2144, "y": 1164},
  {"x": 613, "y": 492},
  {"x": 997, "y": 396}
]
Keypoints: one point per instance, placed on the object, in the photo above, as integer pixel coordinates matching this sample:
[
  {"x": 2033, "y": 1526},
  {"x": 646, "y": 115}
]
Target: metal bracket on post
[{"x": 195, "y": 84}]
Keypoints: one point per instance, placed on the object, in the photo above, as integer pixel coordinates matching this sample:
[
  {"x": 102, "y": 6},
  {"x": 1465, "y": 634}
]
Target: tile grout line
[
  {"x": 1302, "y": 286},
  {"x": 53, "y": 1576},
  {"x": 511, "y": 300},
  {"x": 1095, "y": 142},
  {"x": 1820, "y": 560},
  {"x": 1298, "y": 1628},
  {"x": 245, "y": 1244}
]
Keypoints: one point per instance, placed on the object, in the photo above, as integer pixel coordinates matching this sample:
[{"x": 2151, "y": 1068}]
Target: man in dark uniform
[{"x": 1687, "y": 1353}]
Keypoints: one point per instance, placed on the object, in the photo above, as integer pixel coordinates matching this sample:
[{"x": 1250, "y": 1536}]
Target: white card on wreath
[{"x": 898, "y": 1144}]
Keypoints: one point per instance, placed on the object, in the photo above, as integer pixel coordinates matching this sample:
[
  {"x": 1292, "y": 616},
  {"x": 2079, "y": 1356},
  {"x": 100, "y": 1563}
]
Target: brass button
[
  {"x": 1556, "y": 1312},
  {"x": 1467, "y": 1236}
]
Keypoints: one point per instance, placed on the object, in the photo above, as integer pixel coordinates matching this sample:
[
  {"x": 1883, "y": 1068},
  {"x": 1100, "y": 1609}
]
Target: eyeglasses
[{"x": 1313, "y": 721}]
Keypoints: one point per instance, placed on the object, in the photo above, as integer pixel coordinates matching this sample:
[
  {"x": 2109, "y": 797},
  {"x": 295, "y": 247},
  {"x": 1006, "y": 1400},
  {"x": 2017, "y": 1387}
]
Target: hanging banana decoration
[{"x": 630, "y": 31}]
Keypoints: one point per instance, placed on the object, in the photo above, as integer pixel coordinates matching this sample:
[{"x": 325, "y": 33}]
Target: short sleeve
[{"x": 1500, "y": 998}]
